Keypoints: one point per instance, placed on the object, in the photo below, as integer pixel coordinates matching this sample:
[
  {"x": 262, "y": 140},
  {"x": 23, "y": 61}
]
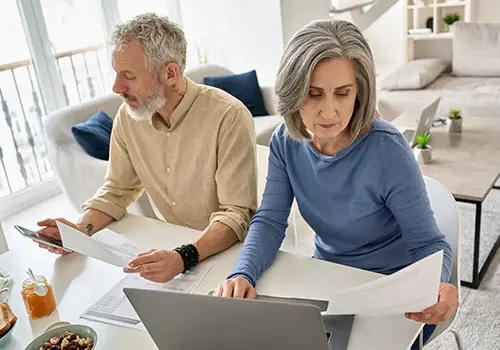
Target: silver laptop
[
  {"x": 424, "y": 124},
  {"x": 179, "y": 321}
]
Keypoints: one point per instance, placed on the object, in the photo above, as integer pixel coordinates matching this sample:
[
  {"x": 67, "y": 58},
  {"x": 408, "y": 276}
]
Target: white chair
[
  {"x": 448, "y": 220},
  {"x": 3, "y": 242},
  {"x": 289, "y": 243}
]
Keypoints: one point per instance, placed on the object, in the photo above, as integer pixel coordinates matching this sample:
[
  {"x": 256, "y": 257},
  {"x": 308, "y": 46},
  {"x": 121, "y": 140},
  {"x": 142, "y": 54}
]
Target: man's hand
[
  {"x": 237, "y": 287},
  {"x": 157, "y": 265},
  {"x": 446, "y": 306},
  {"x": 51, "y": 230},
  {"x": 90, "y": 222}
]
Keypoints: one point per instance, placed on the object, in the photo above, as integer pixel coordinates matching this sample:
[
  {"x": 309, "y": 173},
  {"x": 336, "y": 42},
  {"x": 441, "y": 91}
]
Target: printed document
[
  {"x": 105, "y": 245},
  {"x": 114, "y": 307},
  {"x": 411, "y": 289}
]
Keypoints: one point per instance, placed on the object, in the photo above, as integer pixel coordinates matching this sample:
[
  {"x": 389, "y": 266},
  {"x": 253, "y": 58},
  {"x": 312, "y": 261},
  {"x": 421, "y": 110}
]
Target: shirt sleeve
[
  {"x": 267, "y": 229},
  {"x": 404, "y": 192},
  {"x": 236, "y": 175},
  {"x": 122, "y": 186}
]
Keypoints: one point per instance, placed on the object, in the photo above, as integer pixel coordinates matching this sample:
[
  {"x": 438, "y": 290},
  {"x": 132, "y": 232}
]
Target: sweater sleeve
[
  {"x": 404, "y": 192},
  {"x": 267, "y": 228}
]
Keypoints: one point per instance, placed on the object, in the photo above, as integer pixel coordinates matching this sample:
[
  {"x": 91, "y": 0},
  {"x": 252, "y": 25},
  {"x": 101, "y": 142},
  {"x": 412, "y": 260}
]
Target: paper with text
[
  {"x": 411, "y": 289},
  {"x": 106, "y": 245},
  {"x": 114, "y": 307},
  {"x": 118, "y": 243}
]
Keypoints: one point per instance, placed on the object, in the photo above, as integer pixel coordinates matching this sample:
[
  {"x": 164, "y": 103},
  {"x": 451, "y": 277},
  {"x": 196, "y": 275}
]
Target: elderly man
[{"x": 190, "y": 147}]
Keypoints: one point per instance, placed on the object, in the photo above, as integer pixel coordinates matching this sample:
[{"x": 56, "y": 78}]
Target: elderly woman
[{"x": 353, "y": 175}]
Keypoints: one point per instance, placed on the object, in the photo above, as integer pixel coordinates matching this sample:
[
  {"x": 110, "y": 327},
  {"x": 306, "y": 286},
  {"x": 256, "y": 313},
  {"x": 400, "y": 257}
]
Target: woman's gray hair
[
  {"x": 162, "y": 40},
  {"x": 317, "y": 41}
]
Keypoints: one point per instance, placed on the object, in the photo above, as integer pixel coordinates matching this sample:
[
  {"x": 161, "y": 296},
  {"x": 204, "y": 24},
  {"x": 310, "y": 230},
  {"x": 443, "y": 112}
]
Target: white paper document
[
  {"x": 411, "y": 289},
  {"x": 114, "y": 307},
  {"x": 105, "y": 245}
]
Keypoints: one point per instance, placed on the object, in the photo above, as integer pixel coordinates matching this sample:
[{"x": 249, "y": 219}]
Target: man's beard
[{"x": 147, "y": 106}]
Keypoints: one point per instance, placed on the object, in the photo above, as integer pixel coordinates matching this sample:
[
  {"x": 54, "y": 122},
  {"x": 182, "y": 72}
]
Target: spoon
[{"x": 40, "y": 289}]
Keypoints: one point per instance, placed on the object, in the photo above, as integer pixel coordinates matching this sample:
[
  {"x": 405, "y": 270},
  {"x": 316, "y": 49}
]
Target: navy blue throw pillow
[
  {"x": 245, "y": 87},
  {"x": 94, "y": 135}
]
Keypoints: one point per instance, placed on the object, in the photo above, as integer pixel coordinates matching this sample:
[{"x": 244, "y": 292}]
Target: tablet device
[{"x": 35, "y": 236}]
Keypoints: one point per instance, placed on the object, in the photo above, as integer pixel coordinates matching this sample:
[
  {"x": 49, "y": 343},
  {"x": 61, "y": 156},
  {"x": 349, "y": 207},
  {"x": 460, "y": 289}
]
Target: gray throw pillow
[{"x": 415, "y": 74}]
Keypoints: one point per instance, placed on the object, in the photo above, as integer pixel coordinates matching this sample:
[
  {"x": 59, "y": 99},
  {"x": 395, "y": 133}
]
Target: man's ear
[{"x": 170, "y": 73}]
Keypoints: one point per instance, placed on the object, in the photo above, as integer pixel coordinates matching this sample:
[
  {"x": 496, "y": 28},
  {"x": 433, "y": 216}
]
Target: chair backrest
[
  {"x": 3, "y": 242},
  {"x": 199, "y": 73},
  {"x": 262, "y": 166},
  {"x": 289, "y": 243},
  {"x": 448, "y": 220}
]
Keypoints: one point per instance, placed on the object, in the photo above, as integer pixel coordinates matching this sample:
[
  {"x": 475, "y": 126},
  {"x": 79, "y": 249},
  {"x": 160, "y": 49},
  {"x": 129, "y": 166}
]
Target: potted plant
[
  {"x": 455, "y": 117},
  {"x": 202, "y": 55},
  {"x": 423, "y": 151},
  {"x": 451, "y": 18}
]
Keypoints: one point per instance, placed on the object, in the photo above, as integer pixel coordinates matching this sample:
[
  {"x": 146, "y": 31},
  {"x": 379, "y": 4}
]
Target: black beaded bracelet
[{"x": 189, "y": 255}]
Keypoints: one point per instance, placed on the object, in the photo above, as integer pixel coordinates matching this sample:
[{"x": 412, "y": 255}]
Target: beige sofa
[
  {"x": 80, "y": 175},
  {"x": 471, "y": 82}
]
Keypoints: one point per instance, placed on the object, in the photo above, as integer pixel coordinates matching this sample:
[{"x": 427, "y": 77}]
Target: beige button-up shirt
[{"x": 200, "y": 170}]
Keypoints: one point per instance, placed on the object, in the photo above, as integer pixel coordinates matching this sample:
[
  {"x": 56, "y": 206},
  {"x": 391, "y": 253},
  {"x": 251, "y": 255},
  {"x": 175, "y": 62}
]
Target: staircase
[{"x": 363, "y": 12}]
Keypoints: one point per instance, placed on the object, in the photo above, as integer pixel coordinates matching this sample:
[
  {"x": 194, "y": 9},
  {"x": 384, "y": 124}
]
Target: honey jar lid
[{"x": 40, "y": 286}]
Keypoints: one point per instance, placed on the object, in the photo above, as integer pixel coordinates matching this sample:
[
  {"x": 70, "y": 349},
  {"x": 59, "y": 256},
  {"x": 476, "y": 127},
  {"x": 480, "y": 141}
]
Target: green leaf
[
  {"x": 455, "y": 113},
  {"x": 423, "y": 140},
  {"x": 451, "y": 18}
]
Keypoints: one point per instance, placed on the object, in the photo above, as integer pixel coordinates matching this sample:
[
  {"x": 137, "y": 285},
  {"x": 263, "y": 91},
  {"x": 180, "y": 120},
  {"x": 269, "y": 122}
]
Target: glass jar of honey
[{"x": 38, "y": 297}]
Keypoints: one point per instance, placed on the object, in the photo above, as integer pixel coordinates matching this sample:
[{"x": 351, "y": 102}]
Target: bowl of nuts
[{"x": 72, "y": 337}]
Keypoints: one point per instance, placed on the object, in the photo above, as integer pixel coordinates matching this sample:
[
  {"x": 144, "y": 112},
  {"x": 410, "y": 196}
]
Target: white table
[{"x": 79, "y": 281}]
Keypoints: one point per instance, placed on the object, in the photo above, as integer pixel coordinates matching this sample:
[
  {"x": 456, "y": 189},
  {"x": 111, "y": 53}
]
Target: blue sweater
[{"x": 367, "y": 205}]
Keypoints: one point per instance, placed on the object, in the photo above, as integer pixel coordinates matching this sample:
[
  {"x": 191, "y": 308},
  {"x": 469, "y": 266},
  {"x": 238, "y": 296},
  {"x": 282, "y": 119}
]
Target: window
[
  {"x": 78, "y": 47},
  {"x": 21, "y": 134}
]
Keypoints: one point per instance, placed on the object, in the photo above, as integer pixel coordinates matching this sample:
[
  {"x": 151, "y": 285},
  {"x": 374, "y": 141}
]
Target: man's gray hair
[
  {"x": 317, "y": 41},
  {"x": 162, "y": 40}
]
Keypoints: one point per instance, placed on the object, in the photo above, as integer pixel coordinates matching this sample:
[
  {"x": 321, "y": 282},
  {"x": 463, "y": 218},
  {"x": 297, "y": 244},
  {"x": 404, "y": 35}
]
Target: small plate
[{"x": 6, "y": 337}]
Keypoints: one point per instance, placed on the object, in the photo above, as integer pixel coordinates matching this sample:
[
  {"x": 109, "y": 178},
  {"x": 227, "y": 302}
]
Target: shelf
[
  {"x": 451, "y": 4},
  {"x": 441, "y": 4},
  {"x": 412, "y": 7},
  {"x": 432, "y": 36}
]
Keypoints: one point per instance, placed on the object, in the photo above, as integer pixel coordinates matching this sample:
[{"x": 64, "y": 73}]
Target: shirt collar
[{"x": 182, "y": 109}]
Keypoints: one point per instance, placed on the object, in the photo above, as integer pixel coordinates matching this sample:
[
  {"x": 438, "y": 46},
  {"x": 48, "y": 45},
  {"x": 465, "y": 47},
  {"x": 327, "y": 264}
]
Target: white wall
[
  {"x": 243, "y": 35},
  {"x": 238, "y": 34},
  {"x": 297, "y": 13},
  {"x": 487, "y": 10},
  {"x": 385, "y": 37}
]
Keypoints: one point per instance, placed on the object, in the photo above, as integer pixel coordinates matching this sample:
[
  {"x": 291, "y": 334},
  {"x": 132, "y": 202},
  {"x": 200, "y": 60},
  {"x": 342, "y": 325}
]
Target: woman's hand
[
  {"x": 237, "y": 287},
  {"x": 446, "y": 306}
]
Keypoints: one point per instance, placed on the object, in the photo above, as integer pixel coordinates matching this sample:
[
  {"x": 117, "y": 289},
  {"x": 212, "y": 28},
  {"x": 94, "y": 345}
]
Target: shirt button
[
  {"x": 169, "y": 134},
  {"x": 169, "y": 170},
  {"x": 174, "y": 203}
]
